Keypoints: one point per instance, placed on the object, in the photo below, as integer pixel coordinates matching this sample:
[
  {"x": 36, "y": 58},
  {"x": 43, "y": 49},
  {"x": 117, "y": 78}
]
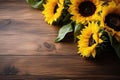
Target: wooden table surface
[{"x": 28, "y": 51}]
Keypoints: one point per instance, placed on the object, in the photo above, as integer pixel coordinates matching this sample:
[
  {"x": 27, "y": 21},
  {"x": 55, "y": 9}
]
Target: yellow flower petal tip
[
  {"x": 111, "y": 18},
  {"x": 89, "y": 39},
  {"x": 53, "y": 10},
  {"x": 85, "y": 10}
]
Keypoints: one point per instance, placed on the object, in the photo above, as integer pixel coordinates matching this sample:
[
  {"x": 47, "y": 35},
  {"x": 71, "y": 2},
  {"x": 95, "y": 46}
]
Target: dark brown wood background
[{"x": 28, "y": 51}]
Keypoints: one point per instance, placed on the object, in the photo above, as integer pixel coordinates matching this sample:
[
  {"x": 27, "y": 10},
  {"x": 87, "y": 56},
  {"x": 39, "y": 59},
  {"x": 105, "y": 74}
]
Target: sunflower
[
  {"x": 53, "y": 10},
  {"x": 111, "y": 19},
  {"x": 83, "y": 10},
  {"x": 89, "y": 40}
]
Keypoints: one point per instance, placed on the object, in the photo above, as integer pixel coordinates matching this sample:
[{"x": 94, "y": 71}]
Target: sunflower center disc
[
  {"x": 113, "y": 21},
  {"x": 91, "y": 41},
  {"x": 87, "y": 8},
  {"x": 55, "y": 9}
]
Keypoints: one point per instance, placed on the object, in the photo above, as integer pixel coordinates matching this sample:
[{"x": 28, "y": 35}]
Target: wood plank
[
  {"x": 82, "y": 77},
  {"x": 28, "y": 51},
  {"x": 18, "y": 9},
  {"x": 31, "y": 37},
  {"x": 31, "y": 26},
  {"x": 59, "y": 66}
]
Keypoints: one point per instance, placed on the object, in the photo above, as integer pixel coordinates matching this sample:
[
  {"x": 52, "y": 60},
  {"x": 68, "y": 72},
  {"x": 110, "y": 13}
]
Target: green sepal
[
  {"x": 99, "y": 13},
  {"x": 63, "y": 31},
  {"x": 37, "y": 4},
  {"x": 105, "y": 3},
  {"x": 67, "y": 2}
]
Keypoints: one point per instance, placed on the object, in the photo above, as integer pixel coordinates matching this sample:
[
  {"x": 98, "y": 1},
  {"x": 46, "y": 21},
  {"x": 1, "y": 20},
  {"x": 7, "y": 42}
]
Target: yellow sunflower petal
[
  {"x": 106, "y": 10},
  {"x": 117, "y": 2},
  {"x": 94, "y": 54},
  {"x": 49, "y": 11},
  {"x": 112, "y": 8},
  {"x": 81, "y": 18},
  {"x": 85, "y": 48}
]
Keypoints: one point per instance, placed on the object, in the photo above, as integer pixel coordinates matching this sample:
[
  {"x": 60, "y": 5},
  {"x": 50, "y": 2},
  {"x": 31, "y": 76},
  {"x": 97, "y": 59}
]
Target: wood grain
[
  {"x": 30, "y": 38},
  {"x": 28, "y": 51}
]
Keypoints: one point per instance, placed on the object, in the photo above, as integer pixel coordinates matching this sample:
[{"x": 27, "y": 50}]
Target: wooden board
[{"x": 28, "y": 51}]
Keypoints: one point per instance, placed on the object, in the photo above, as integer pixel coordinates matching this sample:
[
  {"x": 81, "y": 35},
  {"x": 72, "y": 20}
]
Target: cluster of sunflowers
[{"x": 95, "y": 24}]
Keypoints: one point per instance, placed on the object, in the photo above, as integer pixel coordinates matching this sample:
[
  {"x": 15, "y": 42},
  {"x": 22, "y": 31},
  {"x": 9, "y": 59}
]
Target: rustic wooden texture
[{"x": 28, "y": 51}]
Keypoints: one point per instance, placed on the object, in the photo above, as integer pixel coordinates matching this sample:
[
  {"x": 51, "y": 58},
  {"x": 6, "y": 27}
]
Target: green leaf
[
  {"x": 110, "y": 37},
  {"x": 37, "y": 4},
  {"x": 77, "y": 29},
  {"x": 63, "y": 31},
  {"x": 66, "y": 18},
  {"x": 115, "y": 44}
]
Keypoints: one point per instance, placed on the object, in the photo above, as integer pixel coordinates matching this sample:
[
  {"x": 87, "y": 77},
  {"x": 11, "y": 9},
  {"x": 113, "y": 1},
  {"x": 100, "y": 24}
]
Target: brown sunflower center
[
  {"x": 87, "y": 8},
  {"x": 113, "y": 21},
  {"x": 55, "y": 9},
  {"x": 91, "y": 41}
]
